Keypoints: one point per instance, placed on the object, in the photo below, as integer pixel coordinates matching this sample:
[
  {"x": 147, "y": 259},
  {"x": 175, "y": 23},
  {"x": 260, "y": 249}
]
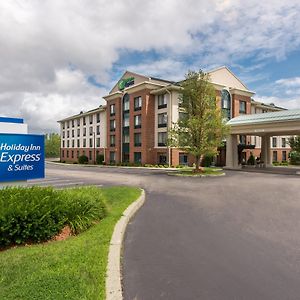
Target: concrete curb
[{"x": 113, "y": 273}]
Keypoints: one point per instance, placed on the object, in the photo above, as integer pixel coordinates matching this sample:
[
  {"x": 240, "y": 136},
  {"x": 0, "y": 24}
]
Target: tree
[
  {"x": 294, "y": 143},
  {"x": 202, "y": 129},
  {"x": 52, "y": 145}
]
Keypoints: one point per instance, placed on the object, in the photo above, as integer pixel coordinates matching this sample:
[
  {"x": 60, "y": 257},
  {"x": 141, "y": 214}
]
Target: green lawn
[
  {"x": 190, "y": 172},
  {"x": 70, "y": 269}
]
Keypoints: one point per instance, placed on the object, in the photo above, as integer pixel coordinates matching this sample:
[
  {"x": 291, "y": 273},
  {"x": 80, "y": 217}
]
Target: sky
[{"x": 58, "y": 58}]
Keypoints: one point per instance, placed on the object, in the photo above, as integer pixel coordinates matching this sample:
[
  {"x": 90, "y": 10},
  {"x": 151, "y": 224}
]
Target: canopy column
[
  {"x": 266, "y": 151},
  {"x": 232, "y": 152}
]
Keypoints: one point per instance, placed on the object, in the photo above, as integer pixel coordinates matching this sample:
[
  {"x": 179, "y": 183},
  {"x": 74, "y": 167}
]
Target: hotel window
[
  {"x": 78, "y": 143},
  {"x": 72, "y": 154},
  {"x": 137, "y": 139},
  {"x": 63, "y": 125},
  {"x": 226, "y": 104},
  {"x": 63, "y": 144},
  {"x": 63, "y": 134},
  {"x": 112, "y": 125},
  {"x": 162, "y": 139},
  {"x": 84, "y": 143},
  {"x": 162, "y": 120},
  {"x": 78, "y": 132},
  {"x": 126, "y": 138},
  {"x": 137, "y": 157},
  {"x": 243, "y": 139},
  {"x": 68, "y": 144},
  {"x": 112, "y": 141},
  {"x": 68, "y": 134},
  {"x": 73, "y": 123},
  {"x": 73, "y": 143},
  {"x": 283, "y": 155},
  {"x": 98, "y": 129},
  {"x": 84, "y": 120},
  {"x": 274, "y": 156},
  {"x": 78, "y": 122},
  {"x": 112, "y": 109},
  {"x": 126, "y": 120},
  {"x": 91, "y": 119},
  {"x": 98, "y": 142},
  {"x": 183, "y": 159},
  {"x": 98, "y": 117},
  {"x": 91, "y": 143},
  {"x": 264, "y": 111},
  {"x": 90, "y": 155},
  {"x": 274, "y": 142},
  {"x": 242, "y": 107},
  {"x": 137, "y": 103},
  {"x": 84, "y": 131},
  {"x": 67, "y": 153},
  {"x": 138, "y": 121},
  {"x": 73, "y": 133},
  {"x": 283, "y": 141},
  {"x": 91, "y": 130},
  {"x": 112, "y": 156},
  {"x": 68, "y": 124},
  {"x": 126, "y": 102},
  {"x": 162, "y": 101}
]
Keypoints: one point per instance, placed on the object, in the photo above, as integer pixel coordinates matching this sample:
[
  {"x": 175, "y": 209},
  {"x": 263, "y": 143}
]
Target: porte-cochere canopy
[{"x": 266, "y": 125}]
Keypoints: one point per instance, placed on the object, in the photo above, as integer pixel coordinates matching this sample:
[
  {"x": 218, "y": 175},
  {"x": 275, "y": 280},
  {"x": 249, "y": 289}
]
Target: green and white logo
[{"x": 126, "y": 82}]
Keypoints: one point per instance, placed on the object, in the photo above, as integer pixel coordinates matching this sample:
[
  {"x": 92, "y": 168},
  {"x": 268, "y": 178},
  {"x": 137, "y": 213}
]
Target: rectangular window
[
  {"x": 90, "y": 155},
  {"x": 78, "y": 132},
  {"x": 67, "y": 153},
  {"x": 112, "y": 109},
  {"x": 98, "y": 117},
  {"x": 84, "y": 120},
  {"x": 98, "y": 129},
  {"x": 137, "y": 103},
  {"x": 112, "y": 141},
  {"x": 84, "y": 143},
  {"x": 274, "y": 142},
  {"x": 78, "y": 143},
  {"x": 84, "y": 131},
  {"x": 137, "y": 157},
  {"x": 126, "y": 138},
  {"x": 138, "y": 121},
  {"x": 162, "y": 101},
  {"x": 68, "y": 124},
  {"x": 183, "y": 159},
  {"x": 112, "y": 125},
  {"x": 63, "y": 125},
  {"x": 73, "y": 143},
  {"x": 274, "y": 156},
  {"x": 126, "y": 104},
  {"x": 68, "y": 144},
  {"x": 78, "y": 122},
  {"x": 68, "y": 134},
  {"x": 162, "y": 120},
  {"x": 72, "y": 154},
  {"x": 98, "y": 142},
  {"x": 91, "y": 130},
  {"x": 137, "y": 139},
  {"x": 243, "y": 139},
  {"x": 283, "y": 155},
  {"x": 73, "y": 124},
  {"x": 91, "y": 143},
  {"x": 162, "y": 139},
  {"x": 77, "y": 154},
  {"x": 73, "y": 133},
  {"x": 91, "y": 119},
  {"x": 126, "y": 120},
  {"x": 63, "y": 134},
  {"x": 283, "y": 141},
  {"x": 63, "y": 144},
  {"x": 242, "y": 107},
  {"x": 112, "y": 156},
  {"x": 62, "y": 153}
]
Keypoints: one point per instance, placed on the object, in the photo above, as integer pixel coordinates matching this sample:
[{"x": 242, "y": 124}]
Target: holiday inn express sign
[{"x": 21, "y": 157}]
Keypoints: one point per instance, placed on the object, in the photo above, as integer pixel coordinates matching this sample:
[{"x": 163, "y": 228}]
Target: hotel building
[{"x": 133, "y": 126}]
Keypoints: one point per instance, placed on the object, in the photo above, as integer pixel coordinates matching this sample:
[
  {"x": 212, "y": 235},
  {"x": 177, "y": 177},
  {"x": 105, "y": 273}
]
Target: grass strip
[{"x": 70, "y": 269}]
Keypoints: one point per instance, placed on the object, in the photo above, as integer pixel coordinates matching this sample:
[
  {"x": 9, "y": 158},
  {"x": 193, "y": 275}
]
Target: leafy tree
[
  {"x": 294, "y": 143},
  {"x": 52, "y": 145},
  {"x": 202, "y": 129}
]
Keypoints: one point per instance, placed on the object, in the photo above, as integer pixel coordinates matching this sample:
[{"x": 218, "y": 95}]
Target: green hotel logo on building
[{"x": 123, "y": 83}]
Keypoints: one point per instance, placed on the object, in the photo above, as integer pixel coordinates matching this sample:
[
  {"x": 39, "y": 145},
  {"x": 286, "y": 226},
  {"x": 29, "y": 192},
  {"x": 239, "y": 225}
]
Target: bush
[
  {"x": 251, "y": 160},
  {"x": 207, "y": 161},
  {"x": 295, "y": 158},
  {"x": 100, "y": 159},
  {"x": 83, "y": 159},
  {"x": 36, "y": 214}
]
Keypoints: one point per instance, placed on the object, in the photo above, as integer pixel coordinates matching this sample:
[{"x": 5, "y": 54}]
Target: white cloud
[{"x": 49, "y": 48}]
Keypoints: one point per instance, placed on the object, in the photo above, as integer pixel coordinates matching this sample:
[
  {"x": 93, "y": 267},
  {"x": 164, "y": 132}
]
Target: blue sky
[{"x": 61, "y": 57}]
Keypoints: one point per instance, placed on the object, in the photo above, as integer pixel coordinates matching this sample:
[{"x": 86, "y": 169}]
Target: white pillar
[
  {"x": 265, "y": 151},
  {"x": 232, "y": 152}
]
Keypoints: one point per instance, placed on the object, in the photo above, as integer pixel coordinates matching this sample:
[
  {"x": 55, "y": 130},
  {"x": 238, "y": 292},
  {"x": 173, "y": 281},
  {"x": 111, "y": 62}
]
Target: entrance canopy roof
[{"x": 285, "y": 122}]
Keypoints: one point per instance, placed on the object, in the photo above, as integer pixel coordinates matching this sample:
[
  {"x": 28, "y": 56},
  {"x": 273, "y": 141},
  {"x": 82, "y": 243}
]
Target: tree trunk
[{"x": 198, "y": 168}]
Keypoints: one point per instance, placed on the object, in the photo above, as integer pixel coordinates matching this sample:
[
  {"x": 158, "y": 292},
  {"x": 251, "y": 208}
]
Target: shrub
[
  {"x": 295, "y": 158},
  {"x": 99, "y": 159},
  {"x": 207, "y": 160},
  {"x": 251, "y": 160},
  {"x": 36, "y": 214},
  {"x": 83, "y": 159}
]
